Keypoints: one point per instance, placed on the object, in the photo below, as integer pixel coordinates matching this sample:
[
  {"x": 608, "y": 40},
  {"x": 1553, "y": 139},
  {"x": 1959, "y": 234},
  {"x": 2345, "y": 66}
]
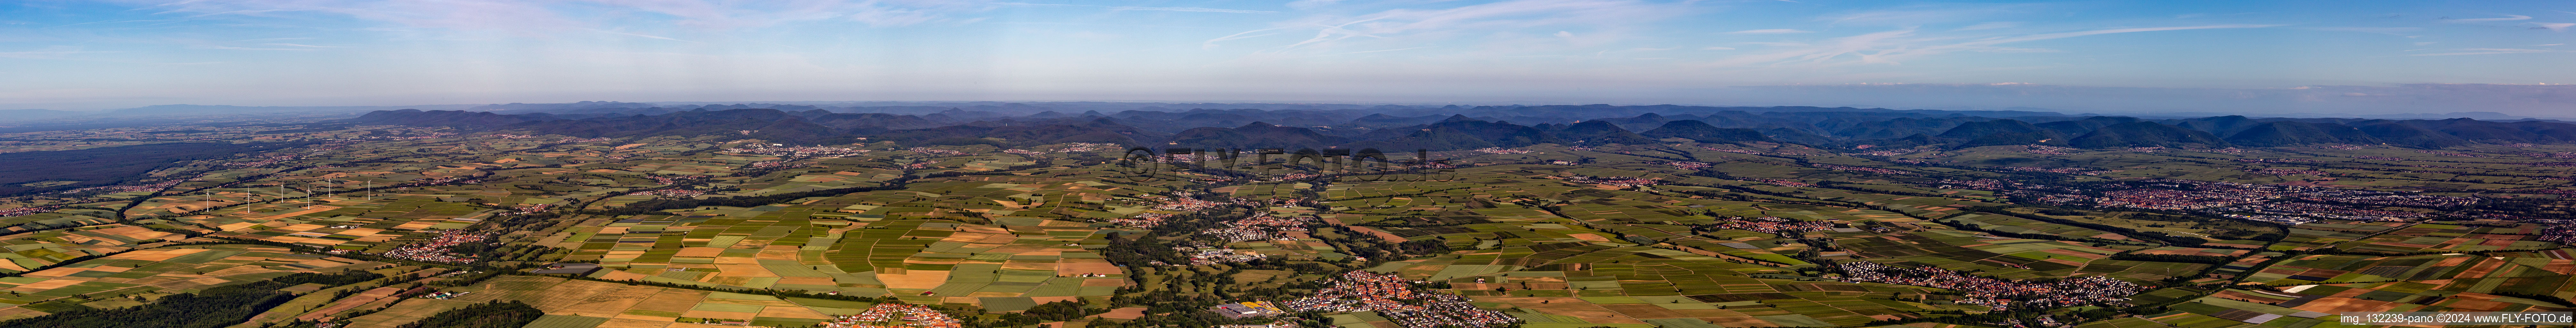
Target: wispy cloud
[
  {"x": 1310, "y": 4},
  {"x": 638, "y": 35},
  {"x": 1370, "y": 51},
  {"x": 1919, "y": 15},
  {"x": 458, "y": 14},
  {"x": 1777, "y": 44},
  {"x": 1212, "y": 43},
  {"x": 1770, "y": 31},
  {"x": 2497, "y": 19},
  {"x": 542, "y": 16},
  {"x": 1417, "y": 26},
  {"x": 301, "y": 45},
  {"x": 1137, "y": 8},
  {"x": 2554, "y": 27},
  {"x": 1891, "y": 47},
  {"x": 2487, "y": 51},
  {"x": 1988, "y": 26},
  {"x": 52, "y": 52},
  {"x": 249, "y": 48},
  {"x": 1193, "y": 9},
  {"x": 123, "y": 21},
  {"x": 2380, "y": 30}
]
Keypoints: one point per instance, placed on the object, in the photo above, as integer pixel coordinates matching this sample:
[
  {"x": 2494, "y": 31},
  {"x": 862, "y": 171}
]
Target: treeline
[
  {"x": 1780, "y": 197},
  {"x": 1049, "y": 312},
  {"x": 1436, "y": 221},
  {"x": 2202, "y": 259},
  {"x": 657, "y": 205},
  {"x": 2552, "y": 299},
  {"x": 781, "y": 293},
  {"x": 212, "y": 308},
  {"x": 1982, "y": 228},
  {"x": 1169, "y": 307},
  {"x": 487, "y": 315},
  {"x": 2336, "y": 251},
  {"x": 1139, "y": 251},
  {"x": 2125, "y": 231},
  {"x": 1379, "y": 249}
]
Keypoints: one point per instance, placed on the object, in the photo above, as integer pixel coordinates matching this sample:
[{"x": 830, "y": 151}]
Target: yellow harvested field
[
  {"x": 634, "y": 323},
  {"x": 915, "y": 279},
  {"x": 610, "y": 303},
  {"x": 699, "y": 252},
  {"x": 792, "y": 312},
  {"x": 44, "y": 285},
  {"x": 744, "y": 270},
  {"x": 671, "y": 301},
  {"x": 719, "y": 315},
  {"x": 1082, "y": 266},
  {"x": 164, "y": 254}
]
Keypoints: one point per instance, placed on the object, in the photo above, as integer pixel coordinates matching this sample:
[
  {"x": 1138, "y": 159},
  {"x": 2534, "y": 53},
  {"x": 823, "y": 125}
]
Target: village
[
  {"x": 796, "y": 151},
  {"x": 1214, "y": 255},
  {"x": 1614, "y": 181},
  {"x": 891, "y": 315},
  {"x": 1771, "y": 225},
  {"x": 1260, "y": 227},
  {"x": 1999, "y": 293},
  {"x": 1405, "y": 301},
  {"x": 436, "y": 248}
]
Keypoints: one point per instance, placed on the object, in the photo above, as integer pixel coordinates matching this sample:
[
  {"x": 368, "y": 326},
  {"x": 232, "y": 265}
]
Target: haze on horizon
[{"x": 2077, "y": 56}]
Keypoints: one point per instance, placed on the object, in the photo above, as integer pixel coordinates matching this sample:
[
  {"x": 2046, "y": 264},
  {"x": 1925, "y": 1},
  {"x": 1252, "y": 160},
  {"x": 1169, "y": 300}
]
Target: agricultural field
[
  {"x": 726, "y": 230},
  {"x": 153, "y": 272}
]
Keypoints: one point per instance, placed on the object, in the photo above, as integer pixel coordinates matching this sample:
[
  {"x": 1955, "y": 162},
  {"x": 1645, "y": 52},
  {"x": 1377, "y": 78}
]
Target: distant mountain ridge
[
  {"x": 30, "y": 114},
  {"x": 1397, "y": 127},
  {"x": 2146, "y": 134},
  {"x": 2285, "y": 133}
]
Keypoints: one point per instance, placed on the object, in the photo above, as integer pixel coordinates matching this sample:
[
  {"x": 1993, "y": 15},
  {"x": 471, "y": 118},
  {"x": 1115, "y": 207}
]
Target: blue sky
[{"x": 110, "y": 54}]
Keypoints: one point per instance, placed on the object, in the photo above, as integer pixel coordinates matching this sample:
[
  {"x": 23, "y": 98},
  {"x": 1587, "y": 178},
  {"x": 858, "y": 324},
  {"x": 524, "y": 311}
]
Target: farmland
[{"x": 716, "y": 229}]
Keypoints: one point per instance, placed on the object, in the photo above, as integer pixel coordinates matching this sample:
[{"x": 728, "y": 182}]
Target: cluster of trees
[
  {"x": 2244, "y": 234},
  {"x": 2202, "y": 259},
  {"x": 1379, "y": 249},
  {"x": 1423, "y": 221},
  {"x": 1982, "y": 228},
  {"x": 1051, "y": 311},
  {"x": 2176, "y": 240},
  {"x": 1140, "y": 251},
  {"x": 487, "y": 315},
  {"x": 2552, "y": 299},
  {"x": 656, "y": 206},
  {"x": 212, "y": 308},
  {"x": 782, "y": 293},
  {"x": 1170, "y": 307}
]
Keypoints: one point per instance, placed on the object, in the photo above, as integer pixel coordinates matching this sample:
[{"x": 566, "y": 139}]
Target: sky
[{"x": 2108, "y": 56}]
